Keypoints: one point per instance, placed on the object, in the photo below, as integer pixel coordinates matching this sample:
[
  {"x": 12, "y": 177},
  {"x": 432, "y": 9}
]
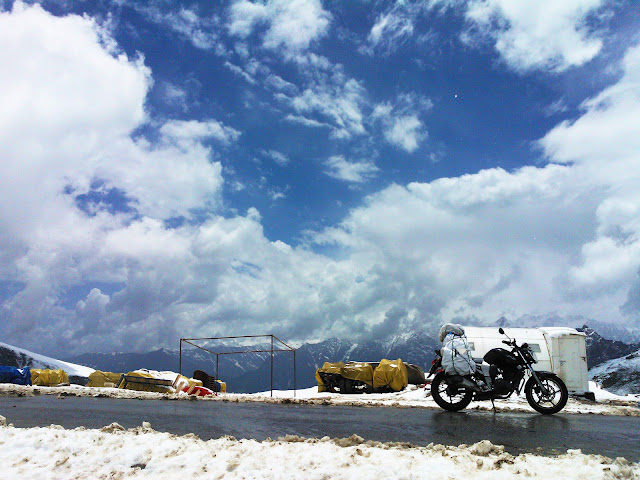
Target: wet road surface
[{"x": 612, "y": 436}]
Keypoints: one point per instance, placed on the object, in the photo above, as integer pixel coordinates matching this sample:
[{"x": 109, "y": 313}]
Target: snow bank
[
  {"x": 412, "y": 397},
  {"x": 113, "y": 452}
]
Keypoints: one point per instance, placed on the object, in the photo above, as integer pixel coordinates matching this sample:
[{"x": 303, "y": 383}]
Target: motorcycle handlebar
[{"x": 506, "y": 342}]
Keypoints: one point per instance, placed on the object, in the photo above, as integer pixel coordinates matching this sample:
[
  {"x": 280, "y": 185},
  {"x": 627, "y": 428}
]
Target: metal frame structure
[{"x": 271, "y": 350}]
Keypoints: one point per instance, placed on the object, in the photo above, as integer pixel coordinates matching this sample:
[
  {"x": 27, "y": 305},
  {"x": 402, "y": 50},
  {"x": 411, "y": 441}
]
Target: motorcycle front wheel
[
  {"x": 551, "y": 401},
  {"x": 448, "y": 395}
]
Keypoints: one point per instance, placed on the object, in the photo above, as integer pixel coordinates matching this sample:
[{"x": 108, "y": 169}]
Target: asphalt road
[{"x": 612, "y": 436}]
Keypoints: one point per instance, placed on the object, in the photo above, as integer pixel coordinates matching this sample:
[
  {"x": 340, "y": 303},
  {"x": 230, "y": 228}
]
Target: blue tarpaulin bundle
[{"x": 19, "y": 376}]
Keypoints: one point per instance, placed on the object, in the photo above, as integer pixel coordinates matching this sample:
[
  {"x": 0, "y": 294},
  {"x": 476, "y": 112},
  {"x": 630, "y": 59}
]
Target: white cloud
[
  {"x": 603, "y": 145},
  {"x": 199, "y": 30},
  {"x": 537, "y": 34},
  {"x": 292, "y": 25},
  {"x": 562, "y": 238},
  {"x": 186, "y": 132},
  {"x": 278, "y": 157},
  {"x": 307, "y": 122},
  {"x": 350, "y": 171},
  {"x": 278, "y": 83},
  {"x": 240, "y": 72},
  {"x": 334, "y": 98},
  {"x": 406, "y": 132},
  {"x": 391, "y": 30},
  {"x": 401, "y": 124}
]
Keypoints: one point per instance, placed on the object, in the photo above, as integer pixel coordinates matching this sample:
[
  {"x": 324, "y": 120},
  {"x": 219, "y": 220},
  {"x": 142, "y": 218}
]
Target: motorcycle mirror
[{"x": 501, "y": 331}]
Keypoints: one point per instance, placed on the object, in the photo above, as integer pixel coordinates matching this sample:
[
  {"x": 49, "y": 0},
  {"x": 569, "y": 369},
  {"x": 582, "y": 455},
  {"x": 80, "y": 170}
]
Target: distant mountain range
[
  {"x": 600, "y": 349},
  {"x": 251, "y": 372}
]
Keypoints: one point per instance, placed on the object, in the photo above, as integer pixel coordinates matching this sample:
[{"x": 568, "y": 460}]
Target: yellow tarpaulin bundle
[
  {"x": 358, "y": 371},
  {"x": 148, "y": 387},
  {"x": 48, "y": 378},
  {"x": 328, "y": 367},
  {"x": 222, "y": 385},
  {"x": 390, "y": 373},
  {"x": 103, "y": 379}
]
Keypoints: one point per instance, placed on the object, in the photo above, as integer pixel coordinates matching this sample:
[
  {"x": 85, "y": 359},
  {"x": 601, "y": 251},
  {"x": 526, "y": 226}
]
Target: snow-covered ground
[
  {"x": 412, "y": 397},
  {"x": 114, "y": 453}
]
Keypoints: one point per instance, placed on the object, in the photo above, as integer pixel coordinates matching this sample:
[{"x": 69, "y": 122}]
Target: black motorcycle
[{"x": 503, "y": 374}]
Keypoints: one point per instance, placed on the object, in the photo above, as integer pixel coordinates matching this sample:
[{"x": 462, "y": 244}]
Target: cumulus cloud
[
  {"x": 603, "y": 145},
  {"x": 58, "y": 136},
  {"x": 561, "y": 238},
  {"x": 292, "y": 25},
  {"x": 350, "y": 171},
  {"x": 536, "y": 34}
]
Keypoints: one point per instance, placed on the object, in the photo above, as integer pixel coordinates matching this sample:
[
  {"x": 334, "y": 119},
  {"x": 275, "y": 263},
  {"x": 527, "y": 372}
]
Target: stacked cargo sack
[
  {"x": 104, "y": 379},
  {"x": 361, "y": 377},
  {"x": 456, "y": 355},
  {"x": 45, "y": 377},
  {"x": 17, "y": 376},
  {"x": 390, "y": 376}
]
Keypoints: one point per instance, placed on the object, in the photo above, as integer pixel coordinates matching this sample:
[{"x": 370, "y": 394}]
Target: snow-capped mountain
[
  {"x": 19, "y": 357},
  {"x": 600, "y": 349},
  {"x": 251, "y": 372},
  {"x": 620, "y": 375}
]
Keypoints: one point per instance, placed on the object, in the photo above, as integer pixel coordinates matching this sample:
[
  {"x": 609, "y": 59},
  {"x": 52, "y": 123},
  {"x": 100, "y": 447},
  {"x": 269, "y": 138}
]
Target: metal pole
[
  {"x": 294, "y": 374},
  {"x": 272, "y": 365},
  {"x": 180, "y": 361},
  {"x": 217, "y": 358}
]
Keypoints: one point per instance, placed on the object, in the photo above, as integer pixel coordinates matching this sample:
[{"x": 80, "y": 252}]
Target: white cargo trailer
[{"x": 557, "y": 349}]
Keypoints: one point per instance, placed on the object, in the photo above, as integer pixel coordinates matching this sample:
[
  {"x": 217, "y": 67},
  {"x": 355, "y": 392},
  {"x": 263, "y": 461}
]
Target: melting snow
[{"x": 113, "y": 452}]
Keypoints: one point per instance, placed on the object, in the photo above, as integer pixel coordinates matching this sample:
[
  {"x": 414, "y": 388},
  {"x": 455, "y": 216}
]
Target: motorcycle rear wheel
[
  {"x": 555, "y": 399},
  {"x": 447, "y": 395}
]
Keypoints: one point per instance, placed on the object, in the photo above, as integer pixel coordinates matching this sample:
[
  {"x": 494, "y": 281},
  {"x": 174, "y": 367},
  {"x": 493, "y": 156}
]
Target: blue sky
[{"x": 314, "y": 169}]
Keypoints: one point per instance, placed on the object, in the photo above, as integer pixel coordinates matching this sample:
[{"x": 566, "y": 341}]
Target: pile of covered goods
[
  {"x": 19, "y": 376},
  {"x": 140, "y": 380},
  {"x": 43, "y": 377},
  {"x": 367, "y": 377},
  {"x": 153, "y": 381}
]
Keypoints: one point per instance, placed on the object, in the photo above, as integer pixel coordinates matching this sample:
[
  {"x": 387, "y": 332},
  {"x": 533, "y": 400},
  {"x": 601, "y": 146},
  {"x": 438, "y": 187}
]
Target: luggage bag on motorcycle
[{"x": 456, "y": 356}]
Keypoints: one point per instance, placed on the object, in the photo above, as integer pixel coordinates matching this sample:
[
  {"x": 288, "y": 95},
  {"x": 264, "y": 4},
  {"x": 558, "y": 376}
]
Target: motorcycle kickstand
[{"x": 493, "y": 405}]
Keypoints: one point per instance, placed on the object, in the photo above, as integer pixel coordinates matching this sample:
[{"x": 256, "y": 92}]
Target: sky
[{"x": 314, "y": 169}]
